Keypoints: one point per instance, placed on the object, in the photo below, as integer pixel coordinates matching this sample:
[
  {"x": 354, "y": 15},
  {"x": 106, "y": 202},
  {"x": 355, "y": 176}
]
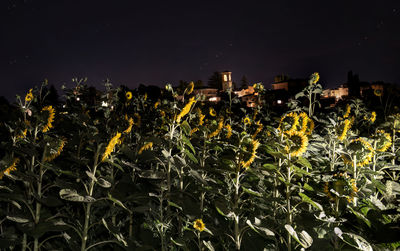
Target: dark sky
[{"x": 155, "y": 42}]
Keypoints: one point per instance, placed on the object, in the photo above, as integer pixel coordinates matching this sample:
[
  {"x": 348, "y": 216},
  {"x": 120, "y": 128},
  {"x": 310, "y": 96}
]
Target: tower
[{"x": 226, "y": 80}]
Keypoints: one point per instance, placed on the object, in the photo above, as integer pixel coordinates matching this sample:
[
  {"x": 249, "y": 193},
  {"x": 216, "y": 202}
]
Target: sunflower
[
  {"x": 371, "y": 118},
  {"x": 22, "y": 135},
  {"x": 383, "y": 140},
  {"x": 29, "y": 96},
  {"x": 128, "y": 95},
  {"x": 348, "y": 110},
  {"x": 362, "y": 150},
  {"x": 139, "y": 119},
  {"x": 259, "y": 129},
  {"x": 190, "y": 88},
  {"x": 229, "y": 131},
  {"x": 212, "y": 112},
  {"x": 193, "y": 131},
  {"x": 111, "y": 145},
  {"x": 145, "y": 147},
  {"x": 254, "y": 146},
  {"x": 50, "y": 118},
  {"x": 353, "y": 190},
  {"x": 54, "y": 153},
  {"x": 218, "y": 130},
  {"x": 185, "y": 109},
  {"x": 157, "y": 104},
  {"x": 201, "y": 117},
  {"x": 288, "y": 123},
  {"x": 298, "y": 143},
  {"x": 303, "y": 122},
  {"x": 314, "y": 78},
  {"x": 12, "y": 167},
  {"x": 247, "y": 121},
  {"x": 343, "y": 128},
  {"x": 310, "y": 126},
  {"x": 199, "y": 225},
  {"x": 378, "y": 92},
  {"x": 327, "y": 192},
  {"x": 130, "y": 121}
]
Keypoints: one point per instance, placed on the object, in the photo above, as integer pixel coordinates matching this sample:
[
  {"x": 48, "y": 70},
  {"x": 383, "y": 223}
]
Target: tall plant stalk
[{"x": 89, "y": 204}]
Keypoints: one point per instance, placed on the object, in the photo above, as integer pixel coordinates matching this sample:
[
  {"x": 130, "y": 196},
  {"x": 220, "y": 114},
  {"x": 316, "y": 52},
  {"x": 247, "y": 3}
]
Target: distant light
[
  {"x": 64, "y": 106},
  {"x": 77, "y": 99},
  {"x": 279, "y": 101},
  {"x": 104, "y": 104},
  {"x": 213, "y": 99}
]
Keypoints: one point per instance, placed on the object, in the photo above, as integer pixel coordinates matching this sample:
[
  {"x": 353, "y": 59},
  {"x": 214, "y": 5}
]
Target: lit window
[
  {"x": 213, "y": 99},
  {"x": 225, "y": 77}
]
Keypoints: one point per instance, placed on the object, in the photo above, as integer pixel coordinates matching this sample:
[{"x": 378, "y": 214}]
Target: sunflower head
[
  {"x": 128, "y": 95},
  {"x": 157, "y": 104},
  {"x": 359, "y": 149},
  {"x": 297, "y": 143},
  {"x": 378, "y": 92},
  {"x": 383, "y": 140},
  {"x": 212, "y": 112},
  {"x": 29, "y": 96},
  {"x": 371, "y": 117},
  {"x": 50, "y": 117},
  {"x": 247, "y": 121},
  {"x": 314, "y": 78},
  {"x": 303, "y": 122},
  {"x": 342, "y": 129},
  {"x": 190, "y": 88},
  {"x": 199, "y": 225},
  {"x": 348, "y": 110},
  {"x": 288, "y": 123}
]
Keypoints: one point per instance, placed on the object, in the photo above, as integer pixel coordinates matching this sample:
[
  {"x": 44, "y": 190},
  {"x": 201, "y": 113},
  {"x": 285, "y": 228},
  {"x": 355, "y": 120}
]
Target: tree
[
  {"x": 244, "y": 82},
  {"x": 215, "y": 81}
]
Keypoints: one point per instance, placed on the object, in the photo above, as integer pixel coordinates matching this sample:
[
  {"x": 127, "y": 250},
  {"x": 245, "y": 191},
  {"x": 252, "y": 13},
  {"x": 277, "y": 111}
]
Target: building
[{"x": 337, "y": 93}]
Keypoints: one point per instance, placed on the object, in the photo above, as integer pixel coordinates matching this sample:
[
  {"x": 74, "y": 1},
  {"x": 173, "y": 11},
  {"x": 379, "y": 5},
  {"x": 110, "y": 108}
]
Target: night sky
[{"x": 159, "y": 42}]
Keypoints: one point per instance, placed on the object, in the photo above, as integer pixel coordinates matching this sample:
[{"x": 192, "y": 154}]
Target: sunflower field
[{"x": 121, "y": 170}]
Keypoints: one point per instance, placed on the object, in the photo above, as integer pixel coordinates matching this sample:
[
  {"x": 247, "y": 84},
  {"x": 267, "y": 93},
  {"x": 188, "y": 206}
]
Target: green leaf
[
  {"x": 187, "y": 142},
  {"x": 304, "y": 162},
  {"x": 191, "y": 156},
  {"x": 118, "y": 202},
  {"x": 270, "y": 167},
  {"x": 186, "y": 127},
  {"x": 103, "y": 183},
  {"x": 300, "y": 171},
  {"x": 17, "y": 219},
  {"x": 150, "y": 174},
  {"x": 91, "y": 175},
  {"x": 72, "y": 195},
  {"x": 197, "y": 176},
  {"x": 308, "y": 187},
  {"x": 353, "y": 240},
  {"x": 257, "y": 229},
  {"x": 360, "y": 216},
  {"x": 252, "y": 192},
  {"x": 308, "y": 200},
  {"x": 208, "y": 245},
  {"x": 172, "y": 204},
  {"x": 305, "y": 239}
]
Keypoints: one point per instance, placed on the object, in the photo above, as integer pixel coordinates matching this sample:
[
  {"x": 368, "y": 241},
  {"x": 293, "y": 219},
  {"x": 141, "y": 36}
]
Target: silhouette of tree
[
  {"x": 215, "y": 81},
  {"x": 244, "y": 82},
  {"x": 353, "y": 83}
]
